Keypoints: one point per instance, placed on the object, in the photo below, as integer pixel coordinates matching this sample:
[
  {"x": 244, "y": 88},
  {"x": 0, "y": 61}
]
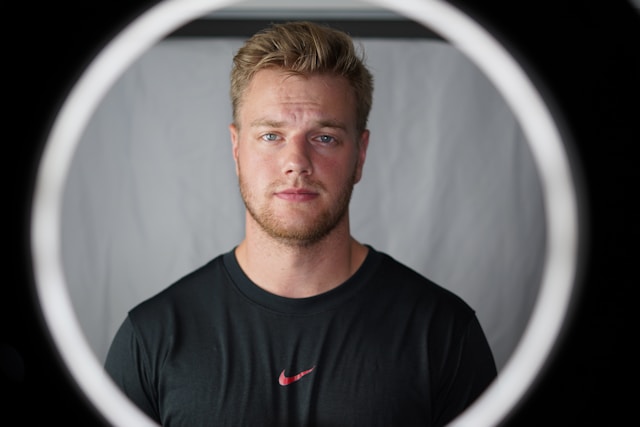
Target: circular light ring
[
  {"x": 550, "y": 156},
  {"x": 560, "y": 202}
]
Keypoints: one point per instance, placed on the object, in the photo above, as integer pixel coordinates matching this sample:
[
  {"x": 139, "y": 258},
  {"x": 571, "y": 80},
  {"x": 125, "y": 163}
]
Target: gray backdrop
[{"x": 449, "y": 185}]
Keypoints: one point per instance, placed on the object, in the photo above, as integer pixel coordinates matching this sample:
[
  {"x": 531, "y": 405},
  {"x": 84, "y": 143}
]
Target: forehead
[{"x": 274, "y": 90}]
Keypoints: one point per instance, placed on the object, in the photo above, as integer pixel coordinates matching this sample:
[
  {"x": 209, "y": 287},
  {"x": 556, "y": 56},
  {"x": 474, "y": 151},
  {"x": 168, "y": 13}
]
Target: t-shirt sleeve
[
  {"x": 128, "y": 366},
  {"x": 469, "y": 369}
]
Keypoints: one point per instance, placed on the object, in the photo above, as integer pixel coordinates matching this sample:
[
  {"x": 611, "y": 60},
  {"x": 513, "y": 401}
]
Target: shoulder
[
  {"x": 398, "y": 281},
  {"x": 186, "y": 294}
]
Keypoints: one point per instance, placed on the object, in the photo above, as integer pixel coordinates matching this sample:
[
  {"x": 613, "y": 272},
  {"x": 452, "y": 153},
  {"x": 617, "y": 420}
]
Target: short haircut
[{"x": 303, "y": 48}]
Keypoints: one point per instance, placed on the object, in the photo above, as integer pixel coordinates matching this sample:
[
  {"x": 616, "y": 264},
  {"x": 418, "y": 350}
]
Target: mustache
[{"x": 297, "y": 183}]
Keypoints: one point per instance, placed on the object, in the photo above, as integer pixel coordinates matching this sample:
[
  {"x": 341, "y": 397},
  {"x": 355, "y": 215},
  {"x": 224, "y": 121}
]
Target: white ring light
[{"x": 559, "y": 193}]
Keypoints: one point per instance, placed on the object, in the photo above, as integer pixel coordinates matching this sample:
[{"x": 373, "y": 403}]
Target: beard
[{"x": 309, "y": 228}]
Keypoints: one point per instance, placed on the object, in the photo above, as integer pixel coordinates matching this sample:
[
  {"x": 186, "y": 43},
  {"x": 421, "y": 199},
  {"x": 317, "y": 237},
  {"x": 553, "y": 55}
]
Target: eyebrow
[
  {"x": 266, "y": 123},
  {"x": 328, "y": 123}
]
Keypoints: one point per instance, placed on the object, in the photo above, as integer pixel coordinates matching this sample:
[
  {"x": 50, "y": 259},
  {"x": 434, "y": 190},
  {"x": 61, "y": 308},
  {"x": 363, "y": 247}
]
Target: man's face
[{"x": 298, "y": 153}]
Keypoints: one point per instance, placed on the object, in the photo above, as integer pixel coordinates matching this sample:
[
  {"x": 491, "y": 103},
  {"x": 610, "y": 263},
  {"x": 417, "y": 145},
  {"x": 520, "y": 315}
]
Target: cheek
[
  {"x": 255, "y": 169},
  {"x": 347, "y": 166},
  {"x": 336, "y": 173}
]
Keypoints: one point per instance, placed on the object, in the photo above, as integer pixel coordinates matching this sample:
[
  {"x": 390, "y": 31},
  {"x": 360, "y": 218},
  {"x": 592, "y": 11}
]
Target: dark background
[{"x": 585, "y": 55}]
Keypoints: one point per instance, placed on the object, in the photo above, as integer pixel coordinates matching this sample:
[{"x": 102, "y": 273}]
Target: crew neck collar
[{"x": 302, "y": 306}]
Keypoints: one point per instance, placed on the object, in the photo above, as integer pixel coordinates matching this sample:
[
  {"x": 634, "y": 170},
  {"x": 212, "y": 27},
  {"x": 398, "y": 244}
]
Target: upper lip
[{"x": 295, "y": 190}]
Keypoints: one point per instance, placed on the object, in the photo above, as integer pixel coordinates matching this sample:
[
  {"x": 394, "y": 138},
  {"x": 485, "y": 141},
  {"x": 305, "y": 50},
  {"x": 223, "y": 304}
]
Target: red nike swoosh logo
[{"x": 284, "y": 380}]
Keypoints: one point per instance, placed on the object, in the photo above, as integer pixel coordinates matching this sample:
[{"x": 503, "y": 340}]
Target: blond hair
[{"x": 303, "y": 48}]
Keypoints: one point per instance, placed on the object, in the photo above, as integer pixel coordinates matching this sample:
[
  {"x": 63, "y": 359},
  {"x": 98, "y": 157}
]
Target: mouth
[{"x": 297, "y": 194}]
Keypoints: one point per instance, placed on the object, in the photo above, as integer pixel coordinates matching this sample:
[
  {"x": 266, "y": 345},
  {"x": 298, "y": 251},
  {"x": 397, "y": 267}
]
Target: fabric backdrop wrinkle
[{"x": 449, "y": 185}]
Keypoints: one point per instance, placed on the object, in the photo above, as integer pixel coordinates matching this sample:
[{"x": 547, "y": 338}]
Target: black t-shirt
[{"x": 386, "y": 348}]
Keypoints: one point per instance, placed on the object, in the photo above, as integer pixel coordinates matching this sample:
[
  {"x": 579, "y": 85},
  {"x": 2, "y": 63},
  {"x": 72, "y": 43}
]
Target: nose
[{"x": 297, "y": 157}]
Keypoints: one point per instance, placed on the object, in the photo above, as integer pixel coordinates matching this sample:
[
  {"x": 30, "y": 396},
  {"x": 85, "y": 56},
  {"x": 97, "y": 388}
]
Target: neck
[{"x": 300, "y": 270}]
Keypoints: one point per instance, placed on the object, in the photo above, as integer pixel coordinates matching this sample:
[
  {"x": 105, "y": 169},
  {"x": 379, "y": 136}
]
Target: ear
[
  {"x": 233, "y": 130},
  {"x": 362, "y": 153}
]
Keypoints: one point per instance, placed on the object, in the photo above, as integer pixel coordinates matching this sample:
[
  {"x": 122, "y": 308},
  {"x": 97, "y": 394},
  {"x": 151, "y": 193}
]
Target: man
[{"x": 301, "y": 324}]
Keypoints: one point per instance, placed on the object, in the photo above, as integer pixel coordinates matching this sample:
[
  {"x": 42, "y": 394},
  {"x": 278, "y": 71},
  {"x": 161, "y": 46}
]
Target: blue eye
[
  {"x": 270, "y": 137},
  {"x": 325, "y": 139}
]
